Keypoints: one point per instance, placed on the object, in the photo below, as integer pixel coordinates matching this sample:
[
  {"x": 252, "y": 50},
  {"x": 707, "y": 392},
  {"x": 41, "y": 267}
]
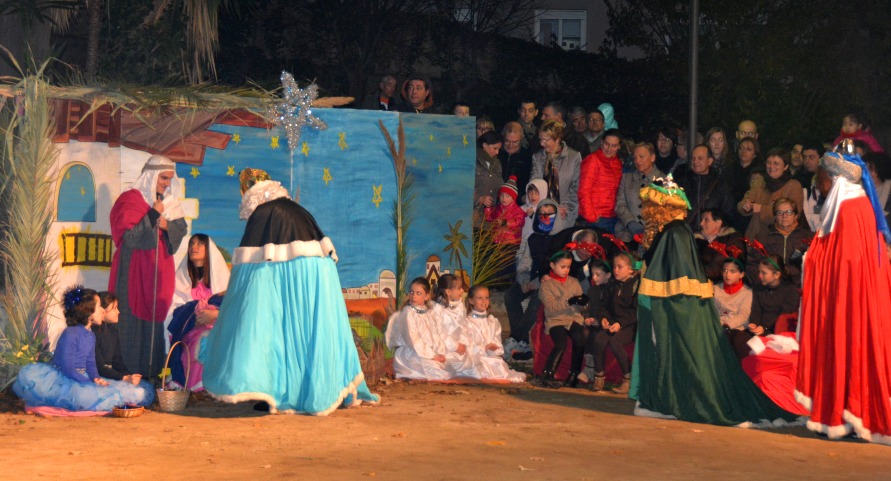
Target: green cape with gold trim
[{"x": 683, "y": 364}]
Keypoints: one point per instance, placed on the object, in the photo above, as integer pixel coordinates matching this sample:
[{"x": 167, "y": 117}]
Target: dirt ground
[{"x": 424, "y": 431}]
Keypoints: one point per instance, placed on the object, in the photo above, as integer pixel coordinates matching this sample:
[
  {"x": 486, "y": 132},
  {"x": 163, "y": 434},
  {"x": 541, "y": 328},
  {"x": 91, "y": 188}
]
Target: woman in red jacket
[{"x": 599, "y": 180}]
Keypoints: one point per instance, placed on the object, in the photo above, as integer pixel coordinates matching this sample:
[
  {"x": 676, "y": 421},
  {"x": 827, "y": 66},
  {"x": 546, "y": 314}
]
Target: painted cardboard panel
[{"x": 344, "y": 176}]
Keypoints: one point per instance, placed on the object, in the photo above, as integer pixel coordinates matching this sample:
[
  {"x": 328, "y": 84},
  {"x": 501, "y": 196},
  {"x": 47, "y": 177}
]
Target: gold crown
[
  {"x": 667, "y": 194},
  {"x": 248, "y": 177}
]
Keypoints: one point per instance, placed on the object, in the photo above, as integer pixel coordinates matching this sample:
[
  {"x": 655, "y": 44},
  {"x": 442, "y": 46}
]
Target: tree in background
[
  {"x": 118, "y": 30},
  {"x": 791, "y": 65}
]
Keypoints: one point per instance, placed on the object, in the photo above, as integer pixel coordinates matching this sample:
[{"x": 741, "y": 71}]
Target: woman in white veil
[{"x": 201, "y": 280}]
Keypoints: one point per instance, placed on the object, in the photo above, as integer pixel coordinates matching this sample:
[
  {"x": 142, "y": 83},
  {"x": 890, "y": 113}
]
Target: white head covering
[
  {"x": 218, "y": 275},
  {"x": 147, "y": 184},
  {"x": 842, "y": 189},
  {"x": 260, "y": 193},
  {"x": 541, "y": 186}
]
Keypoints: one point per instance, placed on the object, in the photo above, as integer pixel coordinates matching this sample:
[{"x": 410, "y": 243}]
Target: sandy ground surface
[{"x": 424, "y": 431}]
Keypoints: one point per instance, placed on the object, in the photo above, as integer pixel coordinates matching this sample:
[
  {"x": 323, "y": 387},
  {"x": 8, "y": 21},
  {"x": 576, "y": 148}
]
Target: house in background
[
  {"x": 572, "y": 25},
  {"x": 101, "y": 152}
]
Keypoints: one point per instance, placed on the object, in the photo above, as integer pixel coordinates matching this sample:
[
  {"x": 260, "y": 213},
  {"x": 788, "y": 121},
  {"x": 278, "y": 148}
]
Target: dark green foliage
[{"x": 794, "y": 66}]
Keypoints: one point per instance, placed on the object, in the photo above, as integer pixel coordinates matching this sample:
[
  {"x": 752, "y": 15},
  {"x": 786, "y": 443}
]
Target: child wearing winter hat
[
  {"x": 507, "y": 218},
  {"x": 536, "y": 190}
]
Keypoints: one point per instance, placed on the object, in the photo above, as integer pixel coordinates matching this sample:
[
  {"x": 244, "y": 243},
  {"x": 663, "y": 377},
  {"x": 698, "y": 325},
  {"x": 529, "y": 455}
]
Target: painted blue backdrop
[{"x": 346, "y": 179}]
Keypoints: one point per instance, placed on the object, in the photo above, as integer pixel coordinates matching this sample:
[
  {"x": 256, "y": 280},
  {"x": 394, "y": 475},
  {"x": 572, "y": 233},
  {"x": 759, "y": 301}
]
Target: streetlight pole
[{"x": 694, "y": 74}]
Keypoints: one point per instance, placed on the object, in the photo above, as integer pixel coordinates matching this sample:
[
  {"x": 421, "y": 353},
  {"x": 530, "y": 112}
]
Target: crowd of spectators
[{"x": 586, "y": 175}]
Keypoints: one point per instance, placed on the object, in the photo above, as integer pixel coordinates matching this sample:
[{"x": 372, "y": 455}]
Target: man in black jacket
[
  {"x": 556, "y": 111},
  {"x": 704, "y": 187}
]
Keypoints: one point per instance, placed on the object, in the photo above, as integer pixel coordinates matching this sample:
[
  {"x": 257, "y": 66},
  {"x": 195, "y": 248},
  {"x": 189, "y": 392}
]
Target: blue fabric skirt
[
  {"x": 181, "y": 323},
  {"x": 42, "y": 384},
  {"x": 283, "y": 336}
]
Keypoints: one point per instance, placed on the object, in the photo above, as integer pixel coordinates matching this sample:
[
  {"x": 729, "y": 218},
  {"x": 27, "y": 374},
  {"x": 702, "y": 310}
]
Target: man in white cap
[{"x": 147, "y": 226}]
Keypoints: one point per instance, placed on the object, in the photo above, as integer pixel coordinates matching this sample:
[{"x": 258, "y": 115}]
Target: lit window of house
[
  {"x": 564, "y": 28},
  {"x": 466, "y": 16}
]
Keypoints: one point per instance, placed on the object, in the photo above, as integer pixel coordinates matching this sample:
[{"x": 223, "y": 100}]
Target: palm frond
[
  {"x": 28, "y": 161},
  {"x": 202, "y": 33},
  {"x": 403, "y": 207},
  {"x": 491, "y": 260}
]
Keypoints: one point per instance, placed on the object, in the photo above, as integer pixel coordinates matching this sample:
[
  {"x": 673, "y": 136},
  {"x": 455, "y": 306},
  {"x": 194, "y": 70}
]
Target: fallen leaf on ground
[
  {"x": 497, "y": 443},
  {"x": 832, "y": 454},
  {"x": 533, "y": 458},
  {"x": 266, "y": 466},
  {"x": 370, "y": 475},
  {"x": 696, "y": 430},
  {"x": 524, "y": 469},
  {"x": 399, "y": 435}
]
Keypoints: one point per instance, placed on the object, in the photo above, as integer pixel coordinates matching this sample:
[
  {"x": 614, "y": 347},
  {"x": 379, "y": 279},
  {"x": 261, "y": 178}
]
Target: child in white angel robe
[
  {"x": 424, "y": 339},
  {"x": 483, "y": 334}
]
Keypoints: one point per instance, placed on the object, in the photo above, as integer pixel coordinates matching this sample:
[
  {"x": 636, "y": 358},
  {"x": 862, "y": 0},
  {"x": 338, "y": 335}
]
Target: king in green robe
[{"x": 684, "y": 367}]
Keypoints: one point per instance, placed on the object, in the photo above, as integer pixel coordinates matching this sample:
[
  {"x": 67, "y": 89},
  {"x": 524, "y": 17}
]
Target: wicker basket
[
  {"x": 174, "y": 400},
  {"x": 128, "y": 412},
  {"x": 373, "y": 364}
]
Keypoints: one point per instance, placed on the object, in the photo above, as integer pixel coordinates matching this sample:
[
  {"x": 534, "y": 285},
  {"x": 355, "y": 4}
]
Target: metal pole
[
  {"x": 694, "y": 74},
  {"x": 155, "y": 298}
]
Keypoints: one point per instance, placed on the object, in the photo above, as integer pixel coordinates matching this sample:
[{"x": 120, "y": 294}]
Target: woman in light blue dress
[{"x": 283, "y": 335}]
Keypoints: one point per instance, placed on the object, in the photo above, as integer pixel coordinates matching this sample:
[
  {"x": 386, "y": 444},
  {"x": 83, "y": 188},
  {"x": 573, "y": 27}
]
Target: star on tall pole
[{"x": 294, "y": 111}]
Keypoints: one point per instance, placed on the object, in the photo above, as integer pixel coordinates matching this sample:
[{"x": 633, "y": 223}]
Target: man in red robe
[
  {"x": 147, "y": 226},
  {"x": 844, "y": 371}
]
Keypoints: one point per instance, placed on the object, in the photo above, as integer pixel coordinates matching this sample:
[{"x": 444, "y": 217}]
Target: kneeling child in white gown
[
  {"x": 483, "y": 333},
  {"x": 424, "y": 338}
]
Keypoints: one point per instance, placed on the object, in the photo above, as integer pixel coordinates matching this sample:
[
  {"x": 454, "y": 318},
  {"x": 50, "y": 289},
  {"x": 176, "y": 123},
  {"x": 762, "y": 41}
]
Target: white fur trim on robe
[{"x": 284, "y": 252}]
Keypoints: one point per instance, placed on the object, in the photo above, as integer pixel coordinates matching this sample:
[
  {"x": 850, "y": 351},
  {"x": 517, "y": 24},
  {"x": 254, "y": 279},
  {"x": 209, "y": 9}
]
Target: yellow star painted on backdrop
[
  {"x": 68, "y": 175},
  {"x": 305, "y": 149},
  {"x": 194, "y": 173},
  {"x": 274, "y": 143},
  {"x": 230, "y": 170},
  {"x": 448, "y": 151},
  {"x": 376, "y": 199},
  {"x": 465, "y": 140},
  {"x": 326, "y": 175},
  {"x": 414, "y": 161},
  {"x": 440, "y": 167},
  {"x": 236, "y": 138},
  {"x": 431, "y": 137},
  {"x": 342, "y": 142},
  {"x": 82, "y": 191}
]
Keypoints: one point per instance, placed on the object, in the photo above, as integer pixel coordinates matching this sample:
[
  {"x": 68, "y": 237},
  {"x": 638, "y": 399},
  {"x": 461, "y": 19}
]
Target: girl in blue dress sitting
[{"x": 72, "y": 381}]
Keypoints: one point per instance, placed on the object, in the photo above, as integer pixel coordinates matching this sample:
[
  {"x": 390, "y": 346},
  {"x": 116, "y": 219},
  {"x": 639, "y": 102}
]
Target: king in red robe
[{"x": 844, "y": 373}]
